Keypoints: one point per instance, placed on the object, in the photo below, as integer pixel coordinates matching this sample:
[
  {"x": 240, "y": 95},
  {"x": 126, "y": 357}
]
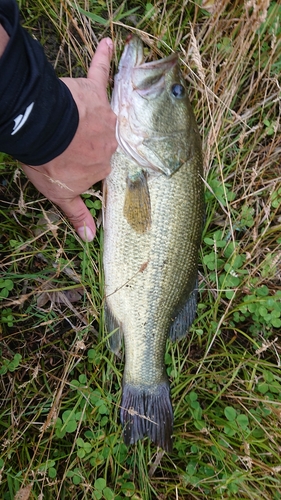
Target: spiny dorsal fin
[{"x": 137, "y": 210}]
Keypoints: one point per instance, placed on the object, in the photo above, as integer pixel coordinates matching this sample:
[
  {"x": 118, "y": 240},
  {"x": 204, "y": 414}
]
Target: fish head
[{"x": 155, "y": 121}]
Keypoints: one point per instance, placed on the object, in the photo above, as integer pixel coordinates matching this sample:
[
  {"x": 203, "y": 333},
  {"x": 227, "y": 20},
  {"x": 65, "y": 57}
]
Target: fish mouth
[
  {"x": 147, "y": 78},
  {"x": 133, "y": 57},
  {"x": 133, "y": 51}
]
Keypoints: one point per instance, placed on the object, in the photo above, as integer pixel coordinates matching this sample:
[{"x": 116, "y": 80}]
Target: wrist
[{"x": 4, "y": 38}]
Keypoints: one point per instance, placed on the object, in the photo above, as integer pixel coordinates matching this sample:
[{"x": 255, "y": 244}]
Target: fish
[{"x": 153, "y": 220}]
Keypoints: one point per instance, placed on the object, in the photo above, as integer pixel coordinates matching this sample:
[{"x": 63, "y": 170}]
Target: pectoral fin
[{"x": 137, "y": 210}]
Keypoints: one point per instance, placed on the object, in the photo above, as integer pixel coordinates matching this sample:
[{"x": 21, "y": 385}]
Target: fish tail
[{"x": 147, "y": 411}]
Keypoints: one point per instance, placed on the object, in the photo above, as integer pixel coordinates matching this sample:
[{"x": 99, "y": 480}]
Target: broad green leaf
[
  {"x": 108, "y": 493},
  {"x": 92, "y": 16},
  {"x": 229, "y": 431},
  {"x": 128, "y": 489},
  {"x": 81, "y": 453},
  {"x": 192, "y": 396},
  {"x": 242, "y": 420},
  {"x": 263, "y": 387},
  {"x": 52, "y": 473},
  {"x": 76, "y": 479},
  {"x": 80, "y": 441},
  {"x": 71, "y": 426},
  {"x": 230, "y": 413},
  {"x": 100, "y": 484}
]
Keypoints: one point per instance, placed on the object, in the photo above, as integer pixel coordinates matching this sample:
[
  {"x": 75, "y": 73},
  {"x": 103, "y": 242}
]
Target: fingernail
[
  {"x": 85, "y": 233},
  {"x": 109, "y": 43}
]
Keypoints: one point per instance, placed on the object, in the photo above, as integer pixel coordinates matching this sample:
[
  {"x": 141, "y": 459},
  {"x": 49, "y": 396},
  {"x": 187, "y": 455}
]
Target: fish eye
[{"x": 178, "y": 90}]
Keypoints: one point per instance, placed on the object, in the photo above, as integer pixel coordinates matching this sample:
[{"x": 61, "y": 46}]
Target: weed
[
  {"x": 9, "y": 365},
  {"x": 6, "y": 286}
]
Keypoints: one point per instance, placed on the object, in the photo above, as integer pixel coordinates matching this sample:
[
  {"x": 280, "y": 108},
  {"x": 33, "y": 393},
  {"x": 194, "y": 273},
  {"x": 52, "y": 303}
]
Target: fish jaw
[
  {"x": 132, "y": 56},
  {"x": 136, "y": 75}
]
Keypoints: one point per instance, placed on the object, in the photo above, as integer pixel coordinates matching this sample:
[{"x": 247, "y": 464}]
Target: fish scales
[{"x": 151, "y": 265}]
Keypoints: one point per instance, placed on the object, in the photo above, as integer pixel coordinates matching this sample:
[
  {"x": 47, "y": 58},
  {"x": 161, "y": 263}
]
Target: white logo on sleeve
[{"x": 21, "y": 119}]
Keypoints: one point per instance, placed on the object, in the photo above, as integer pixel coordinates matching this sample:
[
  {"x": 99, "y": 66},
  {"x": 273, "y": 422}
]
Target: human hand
[{"x": 87, "y": 159}]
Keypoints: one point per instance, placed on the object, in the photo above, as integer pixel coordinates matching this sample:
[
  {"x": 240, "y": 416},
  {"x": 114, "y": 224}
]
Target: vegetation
[{"x": 60, "y": 386}]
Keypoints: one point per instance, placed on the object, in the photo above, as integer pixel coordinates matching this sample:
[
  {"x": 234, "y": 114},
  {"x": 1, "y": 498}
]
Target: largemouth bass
[{"x": 152, "y": 230}]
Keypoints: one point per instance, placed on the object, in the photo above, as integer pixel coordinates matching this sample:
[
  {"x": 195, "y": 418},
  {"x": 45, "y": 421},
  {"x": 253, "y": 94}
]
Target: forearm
[
  {"x": 4, "y": 38},
  {"x": 38, "y": 115}
]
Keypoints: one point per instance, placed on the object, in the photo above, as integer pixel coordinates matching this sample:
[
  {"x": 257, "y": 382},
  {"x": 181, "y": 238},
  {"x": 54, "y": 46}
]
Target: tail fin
[{"x": 147, "y": 411}]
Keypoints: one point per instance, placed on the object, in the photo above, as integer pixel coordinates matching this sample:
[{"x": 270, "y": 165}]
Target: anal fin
[
  {"x": 114, "y": 331},
  {"x": 185, "y": 317}
]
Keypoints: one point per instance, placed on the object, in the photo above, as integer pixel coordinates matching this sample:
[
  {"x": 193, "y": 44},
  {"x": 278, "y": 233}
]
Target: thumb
[
  {"x": 80, "y": 217},
  {"x": 100, "y": 65}
]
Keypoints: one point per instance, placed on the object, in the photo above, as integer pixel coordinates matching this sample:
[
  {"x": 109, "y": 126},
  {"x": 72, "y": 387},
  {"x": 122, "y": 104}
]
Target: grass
[{"x": 60, "y": 386}]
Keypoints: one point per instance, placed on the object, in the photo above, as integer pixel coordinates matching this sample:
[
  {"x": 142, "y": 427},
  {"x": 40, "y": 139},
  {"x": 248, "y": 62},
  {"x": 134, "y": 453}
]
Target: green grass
[{"x": 60, "y": 386}]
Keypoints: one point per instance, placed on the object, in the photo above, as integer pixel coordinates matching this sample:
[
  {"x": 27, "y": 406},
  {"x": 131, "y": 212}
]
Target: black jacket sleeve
[{"x": 38, "y": 115}]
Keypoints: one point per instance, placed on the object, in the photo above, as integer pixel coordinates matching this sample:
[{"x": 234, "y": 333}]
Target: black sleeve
[{"x": 38, "y": 115}]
